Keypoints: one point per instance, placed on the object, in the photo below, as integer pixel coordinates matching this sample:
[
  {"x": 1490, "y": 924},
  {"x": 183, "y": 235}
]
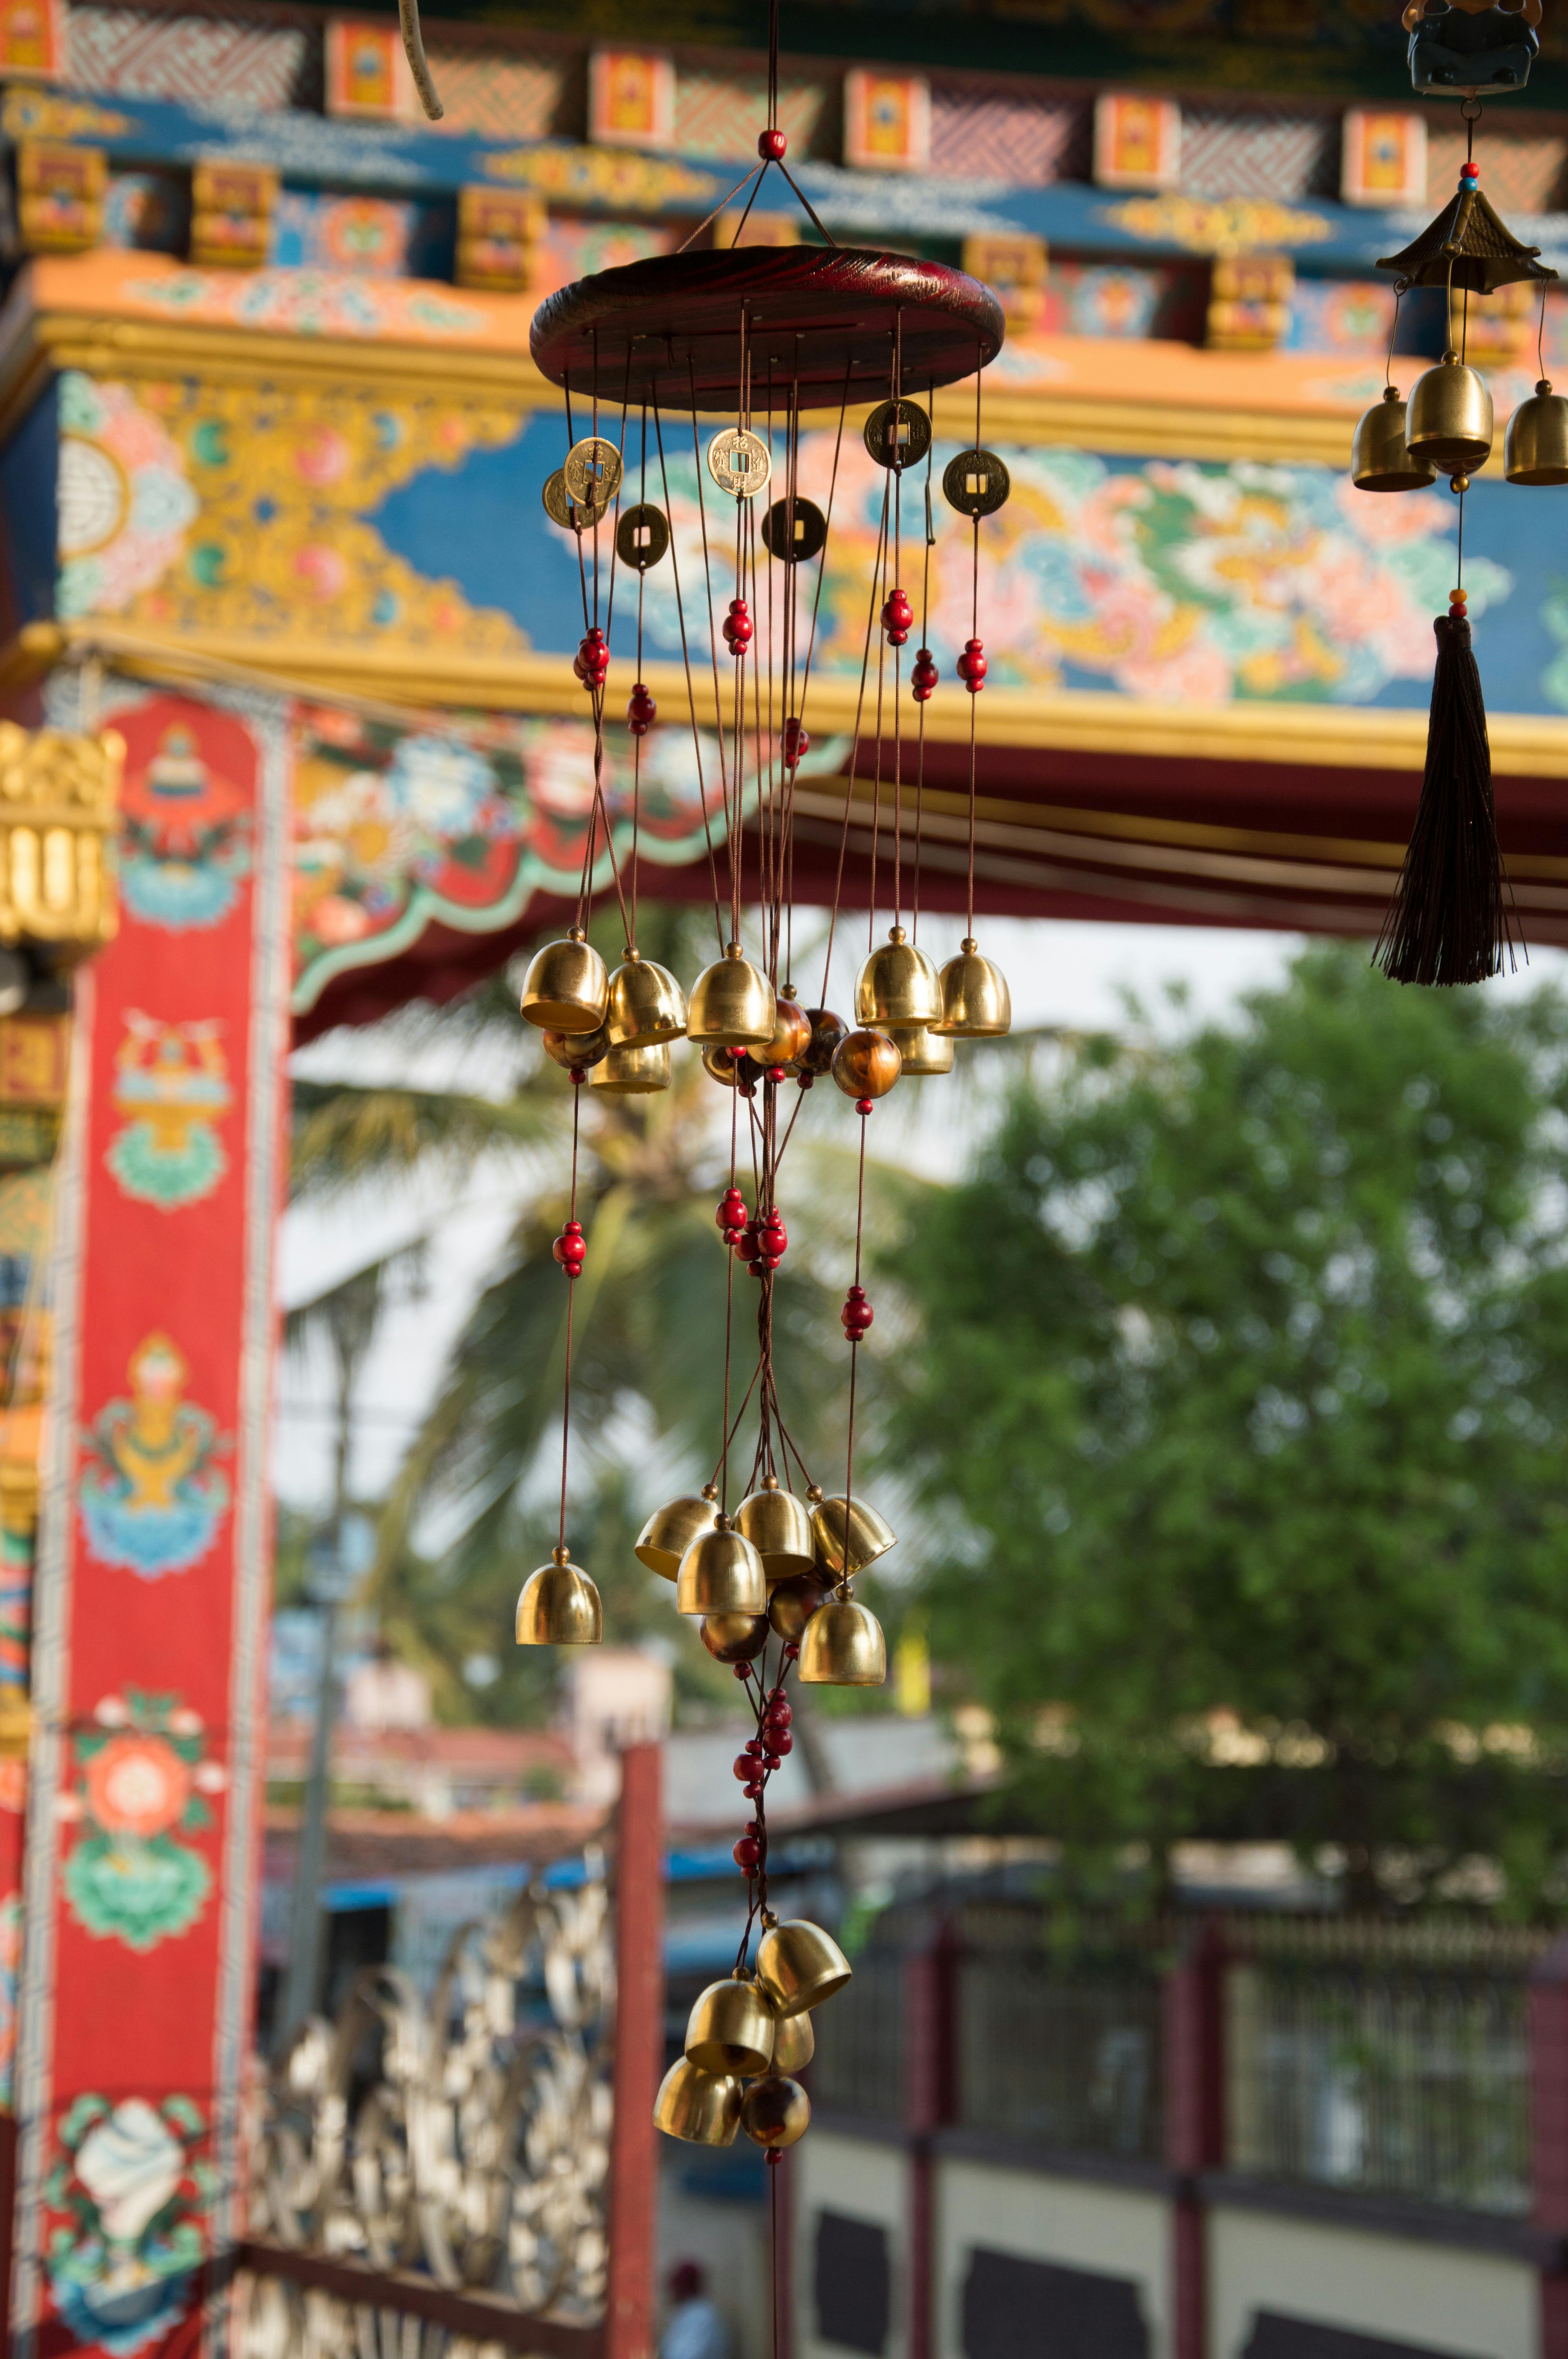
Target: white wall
[
  {"x": 864, "y": 2181},
  {"x": 1078, "y": 2222},
  {"x": 1466, "y": 2303}
]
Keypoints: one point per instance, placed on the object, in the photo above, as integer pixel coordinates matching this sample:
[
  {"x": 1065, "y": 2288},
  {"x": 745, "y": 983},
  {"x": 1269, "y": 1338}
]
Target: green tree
[{"x": 1241, "y": 1412}]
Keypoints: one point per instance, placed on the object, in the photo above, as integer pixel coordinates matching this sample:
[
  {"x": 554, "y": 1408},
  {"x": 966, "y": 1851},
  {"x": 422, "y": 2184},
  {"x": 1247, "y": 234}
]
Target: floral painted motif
[
  {"x": 171, "y": 1083},
  {"x": 142, "y": 1772},
  {"x": 135, "y": 2197},
  {"x": 126, "y": 502},
  {"x": 151, "y": 1498},
  {"x": 185, "y": 839}
]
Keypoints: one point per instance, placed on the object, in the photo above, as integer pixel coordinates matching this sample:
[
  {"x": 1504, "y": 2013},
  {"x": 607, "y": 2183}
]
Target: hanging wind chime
[{"x": 1449, "y": 921}]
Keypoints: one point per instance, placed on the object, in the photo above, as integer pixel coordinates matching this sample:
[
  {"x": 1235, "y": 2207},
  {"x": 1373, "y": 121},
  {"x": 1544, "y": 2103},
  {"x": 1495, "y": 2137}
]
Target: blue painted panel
[{"x": 29, "y": 468}]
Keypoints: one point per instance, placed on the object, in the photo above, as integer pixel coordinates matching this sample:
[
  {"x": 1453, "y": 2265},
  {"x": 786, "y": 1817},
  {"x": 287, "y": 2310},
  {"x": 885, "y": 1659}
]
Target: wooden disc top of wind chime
[{"x": 819, "y": 319}]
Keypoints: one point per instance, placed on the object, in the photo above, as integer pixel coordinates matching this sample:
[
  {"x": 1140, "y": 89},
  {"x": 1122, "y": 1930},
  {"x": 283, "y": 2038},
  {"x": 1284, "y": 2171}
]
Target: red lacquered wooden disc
[{"x": 651, "y": 331}]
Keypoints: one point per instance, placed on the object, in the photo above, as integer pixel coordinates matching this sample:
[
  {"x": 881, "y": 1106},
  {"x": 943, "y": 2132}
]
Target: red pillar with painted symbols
[
  {"x": 639, "y": 2053},
  {"x": 1195, "y": 2123}
]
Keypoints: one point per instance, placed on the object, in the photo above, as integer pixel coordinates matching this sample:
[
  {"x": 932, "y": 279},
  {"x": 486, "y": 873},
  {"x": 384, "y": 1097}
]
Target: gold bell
[
  {"x": 565, "y": 988},
  {"x": 850, "y": 1534},
  {"x": 923, "y": 1050},
  {"x": 775, "y": 2112},
  {"x": 731, "y": 2028},
  {"x": 731, "y": 1005},
  {"x": 791, "y": 1035},
  {"x": 794, "y": 2044},
  {"x": 792, "y": 1604},
  {"x": 898, "y": 984},
  {"x": 1449, "y": 422},
  {"x": 645, "y": 1005},
  {"x": 866, "y": 1064},
  {"x": 779, "y": 1527},
  {"x": 633, "y": 1072},
  {"x": 559, "y": 1606},
  {"x": 976, "y": 1002},
  {"x": 671, "y": 1529},
  {"x": 568, "y": 1049},
  {"x": 704, "y": 2108},
  {"x": 798, "y": 1965},
  {"x": 1380, "y": 459},
  {"x": 722, "y": 1574},
  {"x": 734, "y": 1638},
  {"x": 843, "y": 1647},
  {"x": 1536, "y": 451}
]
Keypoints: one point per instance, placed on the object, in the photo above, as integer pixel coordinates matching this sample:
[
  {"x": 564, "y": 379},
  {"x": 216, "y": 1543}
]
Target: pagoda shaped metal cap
[{"x": 1467, "y": 246}]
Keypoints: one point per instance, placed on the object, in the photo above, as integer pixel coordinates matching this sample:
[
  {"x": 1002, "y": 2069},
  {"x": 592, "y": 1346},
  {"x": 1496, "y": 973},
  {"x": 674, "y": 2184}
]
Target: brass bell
[
  {"x": 1379, "y": 461},
  {"x": 704, "y": 2108},
  {"x": 1536, "y": 451},
  {"x": 843, "y": 1647},
  {"x": 722, "y": 1574},
  {"x": 779, "y": 1527},
  {"x": 792, "y": 1604},
  {"x": 632, "y": 1072},
  {"x": 644, "y": 1004},
  {"x": 976, "y": 1002},
  {"x": 731, "y": 2028},
  {"x": 734, "y": 1638},
  {"x": 1449, "y": 422},
  {"x": 866, "y": 1064},
  {"x": 559, "y": 1606},
  {"x": 898, "y": 984},
  {"x": 792, "y": 1036},
  {"x": 568, "y": 1049},
  {"x": 850, "y": 1534},
  {"x": 671, "y": 1529},
  {"x": 731, "y": 1005},
  {"x": 775, "y": 2112},
  {"x": 923, "y": 1050},
  {"x": 794, "y": 2044},
  {"x": 798, "y": 1965},
  {"x": 565, "y": 988}
]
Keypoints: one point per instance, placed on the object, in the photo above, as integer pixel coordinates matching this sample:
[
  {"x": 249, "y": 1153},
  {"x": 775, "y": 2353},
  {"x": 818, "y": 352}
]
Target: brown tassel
[{"x": 1448, "y": 921}]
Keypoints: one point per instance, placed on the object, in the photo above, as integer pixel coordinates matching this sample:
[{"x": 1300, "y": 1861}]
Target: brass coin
[
  {"x": 898, "y": 434},
  {"x": 592, "y": 471},
  {"x": 642, "y": 537},
  {"x": 739, "y": 463},
  {"x": 810, "y": 531},
  {"x": 976, "y": 482},
  {"x": 560, "y": 508}
]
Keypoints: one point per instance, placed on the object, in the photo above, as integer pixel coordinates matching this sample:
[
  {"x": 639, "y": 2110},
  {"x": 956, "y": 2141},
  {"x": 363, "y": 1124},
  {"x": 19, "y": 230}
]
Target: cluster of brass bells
[
  {"x": 1446, "y": 427},
  {"x": 747, "y": 2037},
  {"x": 617, "y": 1027}
]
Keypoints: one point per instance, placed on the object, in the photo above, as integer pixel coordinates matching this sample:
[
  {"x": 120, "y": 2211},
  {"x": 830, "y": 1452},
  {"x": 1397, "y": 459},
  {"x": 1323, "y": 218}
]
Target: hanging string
[
  {"x": 974, "y": 634},
  {"x": 690, "y": 693},
  {"x": 577, "y": 1079},
  {"x": 926, "y": 642}
]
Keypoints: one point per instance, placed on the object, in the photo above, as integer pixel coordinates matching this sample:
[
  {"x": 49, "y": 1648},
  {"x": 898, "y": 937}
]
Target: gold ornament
[
  {"x": 731, "y": 2028},
  {"x": 794, "y": 2044},
  {"x": 1536, "y": 449},
  {"x": 731, "y": 1005},
  {"x": 739, "y": 462},
  {"x": 720, "y": 1065},
  {"x": 592, "y": 471},
  {"x": 704, "y": 2108},
  {"x": 568, "y": 1049},
  {"x": 898, "y": 984},
  {"x": 1380, "y": 459},
  {"x": 779, "y": 1529},
  {"x": 850, "y": 1534},
  {"x": 775, "y": 2112},
  {"x": 645, "y": 1005},
  {"x": 798, "y": 1965},
  {"x": 843, "y": 1647},
  {"x": 1449, "y": 422},
  {"x": 559, "y": 1606},
  {"x": 566, "y": 988},
  {"x": 671, "y": 1529},
  {"x": 792, "y": 1604},
  {"x": 866, "y": 1064},
  {"x": 923, "y": 1050},
  {"x": 570, "y": 514},
  {"x": 826, "y": 1031},
  {"x": 792, "y": 1036},
  {"x": 633, "y": 1072},
  {"x": 734, "y": 1638},
  {"x": 976, "y": 1002},
  {"x": 722, "y": 1574}
]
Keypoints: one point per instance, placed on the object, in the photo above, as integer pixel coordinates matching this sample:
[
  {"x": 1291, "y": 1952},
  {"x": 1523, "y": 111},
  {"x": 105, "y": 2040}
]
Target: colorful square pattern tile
[
  {"x": 719, "y": 115},
  {"x": 995, "y": 134},
  {"x": 510, "y": 98},
  {"x": 1258, "y": 151},
  {"x": 224, "y": 54}
]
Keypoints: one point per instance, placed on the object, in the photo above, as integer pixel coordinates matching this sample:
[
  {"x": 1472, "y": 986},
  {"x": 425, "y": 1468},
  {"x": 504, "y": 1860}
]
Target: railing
[{"x": 1064, "y": 2054}]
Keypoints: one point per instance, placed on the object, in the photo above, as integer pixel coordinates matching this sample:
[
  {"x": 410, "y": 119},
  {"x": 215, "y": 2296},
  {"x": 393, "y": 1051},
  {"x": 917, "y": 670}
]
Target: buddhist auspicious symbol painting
[
  {"x": 125, "y": 503},
  {"x": 151, "y": 1495},
  {"x": 142, "y": 1773},
  {"x": 135, "y": 2196},
  {"x": 171, "y": 1084},
  {"x": 184, "y": 838}
]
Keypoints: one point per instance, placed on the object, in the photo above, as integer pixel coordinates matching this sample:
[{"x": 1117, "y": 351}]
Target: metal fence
[
  {"x": 859, "y": 2064},
  {"x": 1063, "y": 2053}
]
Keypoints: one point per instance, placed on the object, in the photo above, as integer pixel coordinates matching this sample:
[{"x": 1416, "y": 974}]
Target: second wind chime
[{"x": 758, "y": 336}]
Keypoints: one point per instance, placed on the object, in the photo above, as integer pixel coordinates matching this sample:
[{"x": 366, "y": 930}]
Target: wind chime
[{"x": 1449, "y": 921}]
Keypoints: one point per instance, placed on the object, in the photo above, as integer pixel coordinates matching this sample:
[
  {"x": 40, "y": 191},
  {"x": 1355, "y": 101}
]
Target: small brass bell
[
  {"x": 671, "y": 1529},
  {"x": 731, "y": 1005},
  {"x": 843, "y": 1647},
  {"x": 731, "y": 2028},
  {"x": 923, "y": 1050},
  {"x": 722, "y": 1574},
  {"x": 1449, "y": 421},
  {"x": 568, "y": 1049},
  {"x": 898, "y": 984},
  {"x": 794, "y": 2044},
  {"x": 559, "y": 1606},
  {"x": 775, "y": 2112},
  {"x": 798, "y": 1965},
  {"x": 976, "y": 1002},
  {"x": 792, "y": 1036},
  {"x": 792, "y": 1604},
  {"x": 850, "y": 1534},
  {"x": 644, "y": 1004},
  {"x": 1379, "y": 461},
  {"x": 779, "y": 1527},
  {"x": 704, "y": 2108},
  {"x": 866, "y": 1064},
  {"x": 734, "y": 1638},
  {"x": 1536, "y": 451},
  {"x": 632, "y": 1072},
  {"x": 565, "y": 988}
]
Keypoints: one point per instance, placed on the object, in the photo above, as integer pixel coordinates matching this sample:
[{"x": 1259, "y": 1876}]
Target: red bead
[
  {"x": 779, "y": 1713},
  {"x": 773, "y": 147},
  {"x": 592, "y": 660},
  {"x": 641, "y": 711},
  {"x": 972, "y": 667},
  {"x": 752, "y": 1790},
  {"x": 796, "y": 742},
  {"x": 770, "y": 1762},
  {"x": 747, "y": 1853},
  {"x": 570, "y": 1248},
  {"x": 897, "y": 616},
  {"x": 924, "y": 677},
  {"x": 748, "y": 1247},
  {"x": 743, "y": 1670},
  {"x": 865, "y": 1106},
  {"x": 792, "y": 1653},
  {"x": 783, "y": 1742},
  {"x": 731, "y": 1214},
  {"x": 777, "y": 1073},
  {"x": 578, "y": 1075},
  {"x": 737, "y": 627},
  {"x": 805, "y": 1080},
  {"x": 753, "y": 1745}
]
